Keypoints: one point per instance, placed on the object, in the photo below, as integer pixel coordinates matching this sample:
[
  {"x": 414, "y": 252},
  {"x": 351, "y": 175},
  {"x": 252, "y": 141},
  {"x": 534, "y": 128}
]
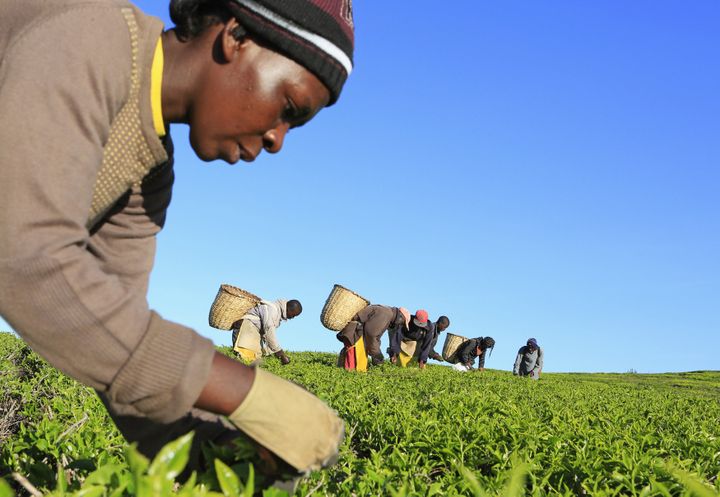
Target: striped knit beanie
[{"x": 317, "y": 34}]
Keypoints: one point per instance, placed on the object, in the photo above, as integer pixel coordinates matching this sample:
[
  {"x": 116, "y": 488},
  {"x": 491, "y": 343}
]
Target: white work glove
[{"x": 290, "y": 421}]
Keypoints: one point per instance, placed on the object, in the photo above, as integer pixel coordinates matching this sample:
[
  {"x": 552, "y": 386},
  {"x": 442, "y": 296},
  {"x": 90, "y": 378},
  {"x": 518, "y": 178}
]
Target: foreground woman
[{"x": 88, "y": 89}]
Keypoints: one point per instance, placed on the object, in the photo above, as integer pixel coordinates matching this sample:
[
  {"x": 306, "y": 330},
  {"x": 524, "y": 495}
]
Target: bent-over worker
[
  {"x": 529, "y": 360},
  {"x": 369, "y": 325},
  {"x": 254, "y": 334},
  {"x": 427, "y": 347},
  {"x": 424, "y": 333},
  {"x": 468, "y": 351},
  {"x": 418, "y": 327}
]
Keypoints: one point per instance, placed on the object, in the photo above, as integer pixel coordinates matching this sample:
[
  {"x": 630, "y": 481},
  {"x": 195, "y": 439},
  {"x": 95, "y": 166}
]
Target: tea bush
[{"x": 409, "y": 433}]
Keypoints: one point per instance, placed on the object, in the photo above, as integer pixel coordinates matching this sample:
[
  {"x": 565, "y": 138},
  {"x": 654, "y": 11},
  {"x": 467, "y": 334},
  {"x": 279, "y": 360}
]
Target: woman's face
[{"x": 250, "y": 101}]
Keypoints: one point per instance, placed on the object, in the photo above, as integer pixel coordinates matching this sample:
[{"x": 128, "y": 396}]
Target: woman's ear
[{"x": 233, "y": 36}]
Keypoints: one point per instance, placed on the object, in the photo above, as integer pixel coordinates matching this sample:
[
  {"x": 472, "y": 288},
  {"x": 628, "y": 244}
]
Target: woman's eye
[
  {"x": 290, "y": 111},
  {"x": 294, "y": 115}
]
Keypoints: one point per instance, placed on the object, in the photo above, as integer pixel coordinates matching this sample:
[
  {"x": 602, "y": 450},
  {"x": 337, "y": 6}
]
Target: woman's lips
[
  {"x": 240, "y": 153},
  {"x": 246, "y": 155}
]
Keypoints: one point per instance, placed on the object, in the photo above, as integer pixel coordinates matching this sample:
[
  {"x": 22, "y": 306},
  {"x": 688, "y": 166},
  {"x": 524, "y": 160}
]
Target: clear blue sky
[{"x": 545, "y": 169}]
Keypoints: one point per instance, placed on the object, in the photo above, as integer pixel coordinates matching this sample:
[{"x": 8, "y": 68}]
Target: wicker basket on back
[
  {"x": 452, "y": 344},
  {"x": 340, "y": 307},
  {"x": 231, "y": 303}
]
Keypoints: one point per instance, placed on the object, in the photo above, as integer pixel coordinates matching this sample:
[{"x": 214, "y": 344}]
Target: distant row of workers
[{"x": 411, "y": 336}]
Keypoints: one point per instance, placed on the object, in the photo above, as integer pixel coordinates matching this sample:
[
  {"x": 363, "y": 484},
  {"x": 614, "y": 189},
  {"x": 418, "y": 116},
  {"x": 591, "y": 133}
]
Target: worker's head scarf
[{"x": 487, "y": 343}]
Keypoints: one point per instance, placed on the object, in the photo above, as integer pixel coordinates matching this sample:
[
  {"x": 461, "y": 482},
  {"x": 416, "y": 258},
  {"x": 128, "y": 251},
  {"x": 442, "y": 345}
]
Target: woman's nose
[{"x": 273, "y": 139}]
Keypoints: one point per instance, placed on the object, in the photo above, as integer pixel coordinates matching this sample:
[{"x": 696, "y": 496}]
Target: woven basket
[
  {"x": 231, "y": 303},
  {"x": 340, "y": 307},
  {"x": 452, "y": 344}
]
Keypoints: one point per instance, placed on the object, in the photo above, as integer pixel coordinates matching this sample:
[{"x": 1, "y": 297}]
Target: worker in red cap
[{"x": 418, "y": 329}]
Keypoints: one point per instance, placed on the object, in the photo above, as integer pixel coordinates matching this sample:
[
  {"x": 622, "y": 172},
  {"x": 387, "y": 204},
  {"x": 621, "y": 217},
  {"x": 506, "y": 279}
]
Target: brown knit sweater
[{"x": 79, "y": 207}]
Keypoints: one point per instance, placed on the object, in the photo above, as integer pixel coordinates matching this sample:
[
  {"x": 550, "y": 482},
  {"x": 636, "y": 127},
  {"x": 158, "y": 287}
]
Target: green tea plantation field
[{"x": 409, "y": 433}]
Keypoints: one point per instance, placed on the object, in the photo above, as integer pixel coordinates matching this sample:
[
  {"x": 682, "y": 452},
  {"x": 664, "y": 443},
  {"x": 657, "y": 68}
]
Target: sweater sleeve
[
  {"x": 426, "y": 345},
  {"x": 79, "y": 299},
  {"x": 270, "y": 318},
  {"x": 481, "y": 359},
  {"x": 518, "y": 360},
  {"x": 539, "y": 363}
]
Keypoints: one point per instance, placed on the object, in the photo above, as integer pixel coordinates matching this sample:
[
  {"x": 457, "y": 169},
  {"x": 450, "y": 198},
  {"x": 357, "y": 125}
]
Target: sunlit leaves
[
  {"x": 410, "y": 433},
  {"x": 5, "y": 490}
]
